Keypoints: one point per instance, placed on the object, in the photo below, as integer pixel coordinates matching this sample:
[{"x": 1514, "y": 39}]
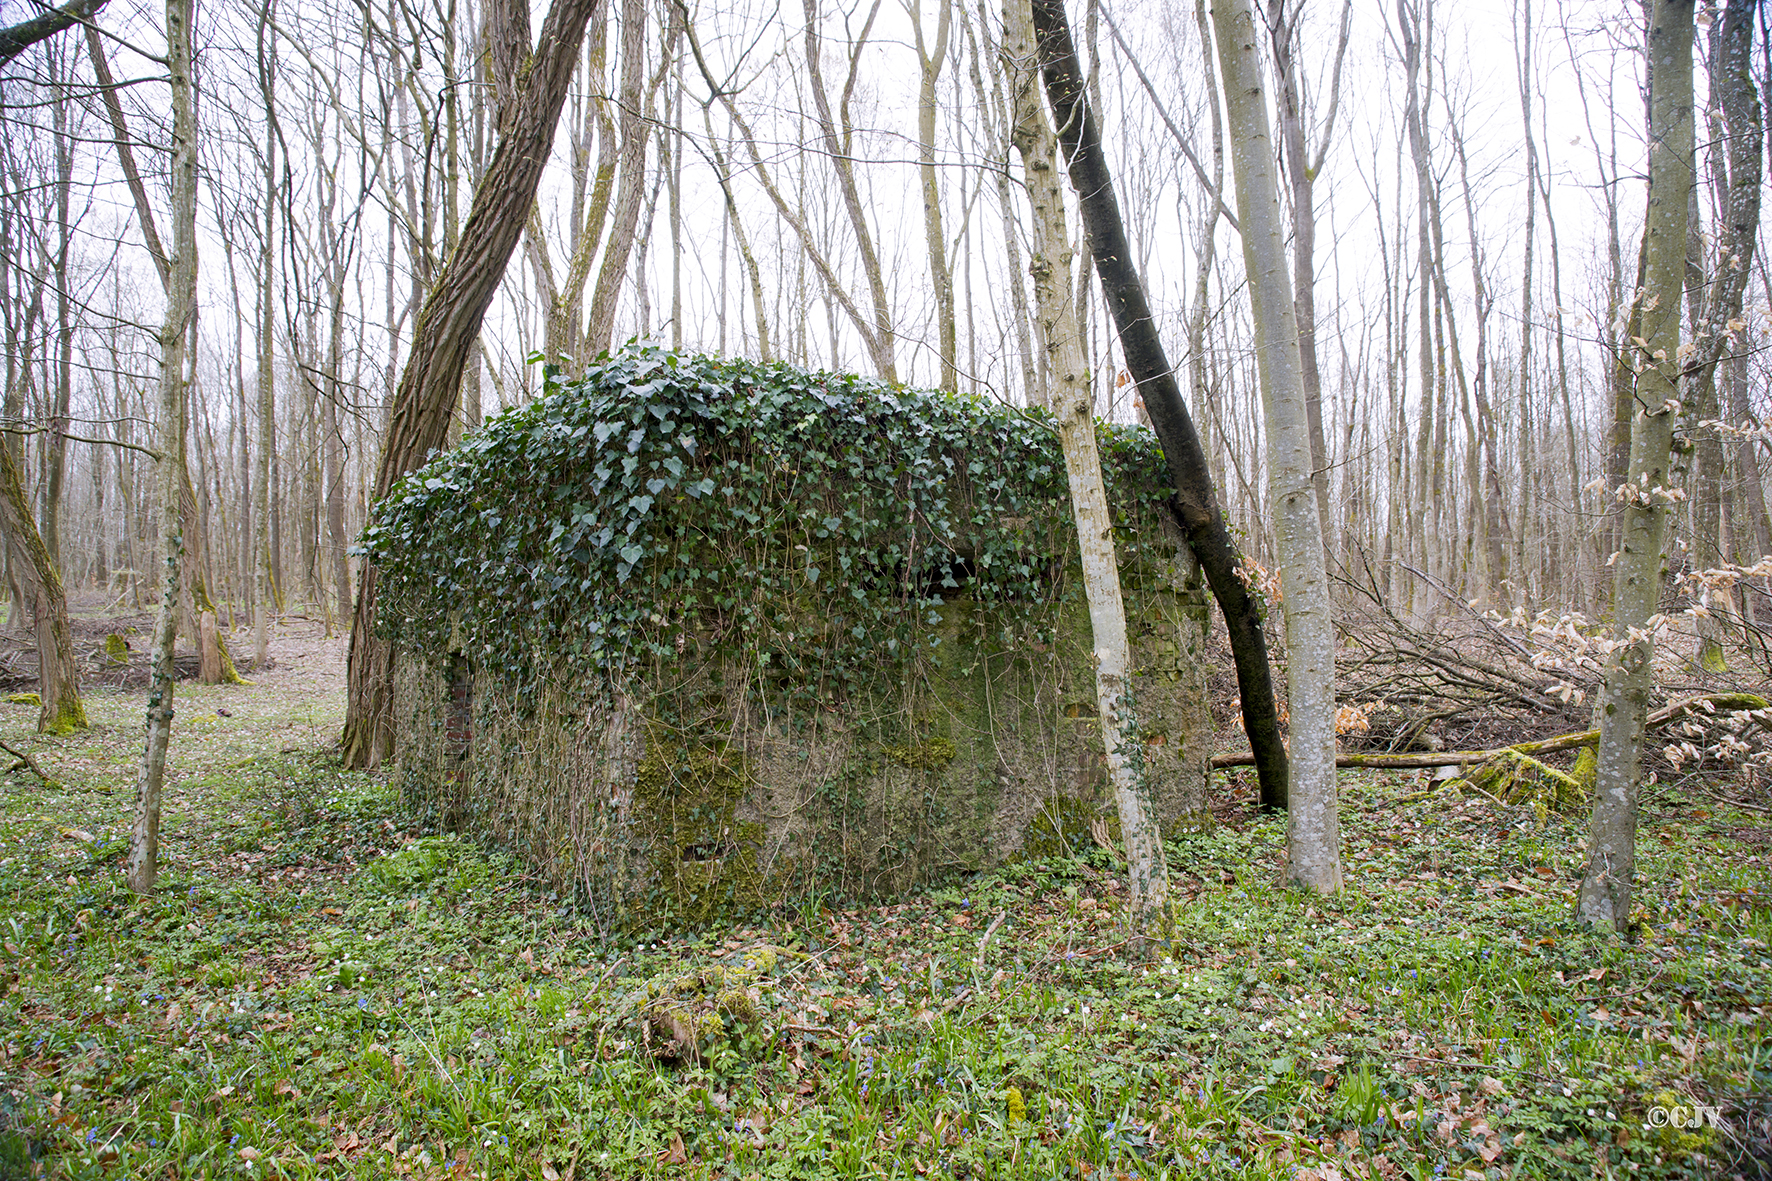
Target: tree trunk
[
  {"x": 1195, "y": 506},
  {"x": 448, "y": 325},
  {"x": 58, "y": 678},
  {"x": 265, "y": 597},
  {"x": 1624, "y": 703},
  {"x": 1073, "y": 404},
  {"x": 636, "y": 133},
  {"x": 55, "y": 450},
  {"x": 1737, "y": 174},
  {"x": 837, "y": 144},
  {"x": 1313, "y": 831},
  {"x": 181, "y": 300},
  {"x": 1302, "y": 170},
  {"x": 941, "y": 272}
]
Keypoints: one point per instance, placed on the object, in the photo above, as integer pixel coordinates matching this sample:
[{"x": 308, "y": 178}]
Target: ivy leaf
[
  {"x": 631, "y": 554},
  {"x": 673, "y": 465}
]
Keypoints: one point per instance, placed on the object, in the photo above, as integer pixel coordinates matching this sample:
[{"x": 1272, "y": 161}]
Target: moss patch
[{"x": 704, "y": 858}]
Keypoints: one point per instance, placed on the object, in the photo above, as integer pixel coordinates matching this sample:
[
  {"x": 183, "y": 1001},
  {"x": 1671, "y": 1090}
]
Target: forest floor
[{"x": 319, "y": 989}]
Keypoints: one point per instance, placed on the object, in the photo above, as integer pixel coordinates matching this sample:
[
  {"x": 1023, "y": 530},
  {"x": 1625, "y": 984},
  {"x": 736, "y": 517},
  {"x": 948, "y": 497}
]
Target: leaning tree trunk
[
  {"x": 15, "y": 39},
  {"x": 181, "y": 303},
  {"x": 1073, "y": 402},
  {"x": 1313, "y": 829},
  {"x": 1624, "y": 704},
  {"x": 58, "y": 679},
  {"x": 1195, "y": 506},
  {"x": 448, "y": 325}
]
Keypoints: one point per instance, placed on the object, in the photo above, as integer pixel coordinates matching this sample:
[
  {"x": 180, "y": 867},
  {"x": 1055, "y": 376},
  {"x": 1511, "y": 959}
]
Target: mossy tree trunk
[
  {"x": 58, "y": 680},
  {"x": 1072, "y": 401},
  {"x": 1624, "y": 702},
  {"x": 1313, "y": 829}
]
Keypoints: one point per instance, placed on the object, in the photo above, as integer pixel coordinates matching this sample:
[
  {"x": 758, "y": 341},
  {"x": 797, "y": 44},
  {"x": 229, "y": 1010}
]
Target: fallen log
[{"x": 1473, "y": 758}]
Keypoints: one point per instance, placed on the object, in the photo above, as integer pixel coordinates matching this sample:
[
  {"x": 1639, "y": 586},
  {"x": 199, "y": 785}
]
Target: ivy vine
[{"x": 664, "y": 506}]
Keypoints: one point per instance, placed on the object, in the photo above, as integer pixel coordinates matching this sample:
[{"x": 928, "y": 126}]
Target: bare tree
[
  {"x": 181, "y": 300},
  {"x": 1313, "y": 830},
  {"x": 1648, "y": 489},
  {"x": 1072, "y": 403},
  {"x": 1195, "y": 505},
  {"x": 449, "y": 322}
]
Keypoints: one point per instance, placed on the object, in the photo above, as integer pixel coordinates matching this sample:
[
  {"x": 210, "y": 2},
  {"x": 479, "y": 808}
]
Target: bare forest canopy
[{"x": 834, "y": 187}]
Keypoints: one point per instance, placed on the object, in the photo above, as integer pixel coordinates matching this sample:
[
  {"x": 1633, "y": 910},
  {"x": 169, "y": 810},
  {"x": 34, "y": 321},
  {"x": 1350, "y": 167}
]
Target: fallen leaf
[
  {"x": 249, "y": 1153},
  {"x": 675, "y": 1154},
  {"x": 548, "y": 1173},
  {"x": 78, "y": 834}
]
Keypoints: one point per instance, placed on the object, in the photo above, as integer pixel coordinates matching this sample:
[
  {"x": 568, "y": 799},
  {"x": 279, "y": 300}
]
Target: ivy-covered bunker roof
[{"x": 665, "y": 500}]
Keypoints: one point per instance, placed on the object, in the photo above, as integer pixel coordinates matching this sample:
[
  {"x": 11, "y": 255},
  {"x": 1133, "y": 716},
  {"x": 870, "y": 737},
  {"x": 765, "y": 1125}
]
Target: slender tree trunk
[
  {"x": 1605, "y": 898},
  {"x": 636, "y": 132},
  {"x": 181, "y": 298},
  {"x": 1073, "y": 404},
  {"x": 1532, "y": 493},
  {"x": 1313, "y": 830},
  {"x": 55, "y": 450},
  {"x": 1302, "y": 170},
  {"x": 449, "y": 324},
  {"x": 1195, "y": 505},
  {"x": 837, "y": 143},
  {"x": 267, "y": 343},
  {"x": 1737, "y": 172},
  {"x": 941, "y": 272}
]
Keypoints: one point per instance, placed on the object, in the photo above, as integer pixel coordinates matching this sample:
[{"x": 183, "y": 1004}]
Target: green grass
[{"x": 319, "y": 990}]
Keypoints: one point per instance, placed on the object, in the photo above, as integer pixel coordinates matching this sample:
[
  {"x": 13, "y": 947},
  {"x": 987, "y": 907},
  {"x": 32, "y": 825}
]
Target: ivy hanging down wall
[{"x": 699, "y": 637}]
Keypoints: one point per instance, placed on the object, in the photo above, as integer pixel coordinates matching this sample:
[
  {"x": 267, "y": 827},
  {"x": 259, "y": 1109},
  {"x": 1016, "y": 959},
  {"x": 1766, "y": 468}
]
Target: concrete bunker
[{"x": 699, "y": 637}]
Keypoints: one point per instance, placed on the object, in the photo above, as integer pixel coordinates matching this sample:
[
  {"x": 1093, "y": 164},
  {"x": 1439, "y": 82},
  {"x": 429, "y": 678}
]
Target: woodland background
[{"x": 834, "y": 186}]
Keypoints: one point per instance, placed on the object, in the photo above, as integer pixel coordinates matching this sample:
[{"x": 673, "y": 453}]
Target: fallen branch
[
  {"x": 27, "y": 763},
  {"x": 1543, "y": 746}
]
